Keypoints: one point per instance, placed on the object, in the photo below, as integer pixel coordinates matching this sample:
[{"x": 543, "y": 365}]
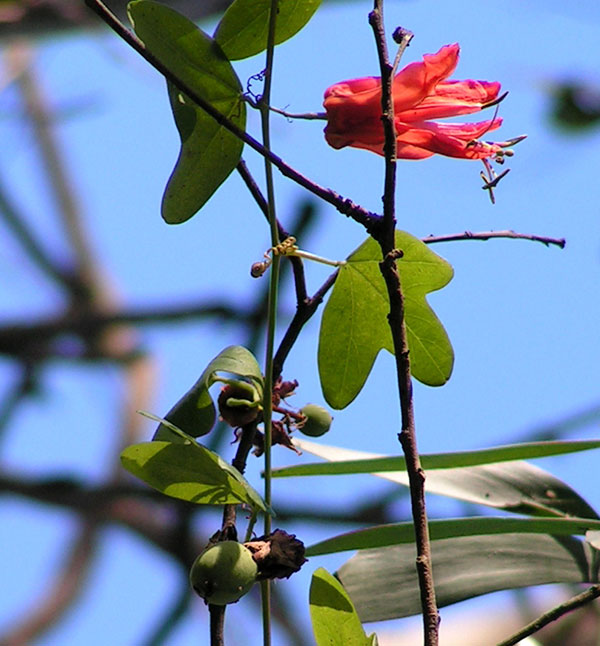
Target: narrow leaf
[
  {"x": 354, "y": 327},
  {"x": 243, "y": 30},
  {"x": 209, "y": 152},
  {"x": 334, "y": 619},
  {"x": 189, "y": 471},
  {"x": 382, "y": 583},
  {"x": 195, "y": 412},
  {"x": 515, "y": 486},
  {"x": 399, "y": 533},
  {"x": 524, "y": 451}
]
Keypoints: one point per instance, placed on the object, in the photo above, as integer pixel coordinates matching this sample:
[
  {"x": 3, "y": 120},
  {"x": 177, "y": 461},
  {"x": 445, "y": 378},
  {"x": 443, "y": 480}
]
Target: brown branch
[
  {"x": 487, "y": 235},
  {"x": 343, "y": 205},
  {"x": 552, "y": 615},
  {"x": 389, "y": 271}
]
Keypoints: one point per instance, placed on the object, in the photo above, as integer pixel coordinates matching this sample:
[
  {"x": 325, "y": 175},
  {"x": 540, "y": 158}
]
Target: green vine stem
[{"x": 265, "y": 114}]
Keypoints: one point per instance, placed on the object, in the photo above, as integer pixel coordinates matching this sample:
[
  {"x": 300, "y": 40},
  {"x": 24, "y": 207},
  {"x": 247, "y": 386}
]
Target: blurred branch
[
  {"x": 65, "y": 590},
  {"x": 172, "y": 616},
  {"x": 16, "y": 222},
  {"x": 552, "y": 615},
  {"x": 24, "y": 386},
  {"x": 20, "y": 56},
  {"x": 43, "y": 17},
  {"x": 33, "y": 340}
]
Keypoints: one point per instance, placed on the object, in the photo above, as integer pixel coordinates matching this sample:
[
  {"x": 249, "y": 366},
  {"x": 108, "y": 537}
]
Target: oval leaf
[
  {"x": 382, "y": 583},
  {"x": 195, "y": 412},
  {"x": 354, "y": 327},
  {"x": 189, "y": 472},
  {"x": 243, "y": 30},
  {"x": 334, "y": 619},
  {"x": 209, "y": 152}
]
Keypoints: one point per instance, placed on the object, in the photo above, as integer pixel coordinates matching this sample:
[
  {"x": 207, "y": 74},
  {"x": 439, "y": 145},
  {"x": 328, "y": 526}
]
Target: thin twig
[
  {"x": 487, "y": 235},
  {"x": 552, "y": 615},
  {"x": 396, "y": 321},
  {"x": 343, "y": 205}
]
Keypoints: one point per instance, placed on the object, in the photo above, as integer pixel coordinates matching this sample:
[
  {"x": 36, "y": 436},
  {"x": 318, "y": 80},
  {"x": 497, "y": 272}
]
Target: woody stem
[{"x": 386, "y": 239}]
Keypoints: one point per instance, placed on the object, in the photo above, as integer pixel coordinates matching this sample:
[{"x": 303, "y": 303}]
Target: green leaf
[
  {"x": 243, "y": 29},
  {"x": 399, "y": 533},
  {"x": 209, "y": 152},
  {"x": 195, "y": 412},
  {"x": 515, "y": 486},
  {"x": 354, "y": 327},
  {"x": 524, "y": 451},
  {"x": 334, "y": 619},
  {"x": 189, "y": 472},
  {"x": 382, "y": 583}
]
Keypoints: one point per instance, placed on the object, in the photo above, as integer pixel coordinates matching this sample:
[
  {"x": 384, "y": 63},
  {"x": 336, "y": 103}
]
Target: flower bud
[
  {"x": 318, "y": 420},
  {"x": 223, "y": 573}
]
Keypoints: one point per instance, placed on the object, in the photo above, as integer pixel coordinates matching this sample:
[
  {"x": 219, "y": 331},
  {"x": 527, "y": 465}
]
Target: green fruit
[
  {"x": 223, "y": 573},
  {"x": 318, "y": 420}
]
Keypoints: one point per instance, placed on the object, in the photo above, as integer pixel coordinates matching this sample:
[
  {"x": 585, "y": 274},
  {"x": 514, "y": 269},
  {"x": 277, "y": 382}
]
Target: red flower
[{"x": 421, "y": 92}]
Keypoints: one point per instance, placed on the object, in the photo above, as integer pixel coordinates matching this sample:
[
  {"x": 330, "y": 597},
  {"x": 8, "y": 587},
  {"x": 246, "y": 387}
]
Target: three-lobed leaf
[
  {"x": 334, "y": 619},
  {"x": 243, "y": 30},
  {"x": 189, "y": 471},
  {"x": 354, "y": 326},
  {"x": 195, "y": 413},
  {"x": 209, "y": 152}
]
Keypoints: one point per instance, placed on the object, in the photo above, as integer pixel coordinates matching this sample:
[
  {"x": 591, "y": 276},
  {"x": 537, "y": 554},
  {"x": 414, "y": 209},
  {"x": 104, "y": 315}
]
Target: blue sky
[{"x": 522, "y": 318}]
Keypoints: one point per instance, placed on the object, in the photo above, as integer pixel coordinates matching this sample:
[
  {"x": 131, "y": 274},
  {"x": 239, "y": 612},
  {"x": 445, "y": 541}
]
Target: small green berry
[
  {"x": 318, "y": 420},
  {"x": 223, "y": 573}
]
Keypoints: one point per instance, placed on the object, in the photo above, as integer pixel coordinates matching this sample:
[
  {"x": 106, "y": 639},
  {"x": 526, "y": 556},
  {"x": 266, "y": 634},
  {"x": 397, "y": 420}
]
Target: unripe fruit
[
  {"x": 223, "y": 573},
  {"x": 318, "y": 420}
]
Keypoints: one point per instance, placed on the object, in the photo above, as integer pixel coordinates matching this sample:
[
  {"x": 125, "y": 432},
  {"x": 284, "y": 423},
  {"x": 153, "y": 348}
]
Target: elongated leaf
[
  {"x": 525, "y": 451},
  {"x": 516, "y": 486},
  {"x": 398, "y": 533},
  {"x": 382, "y": 583},
  {"x": 354, "y": 327},
  {"x": 195, "y": 412},
  {"x": 243, "y": 29},
  {"x": 190, "y": 472},
  {"x": 334, "y": 619},
  {"x": 208, "y": 152}
]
